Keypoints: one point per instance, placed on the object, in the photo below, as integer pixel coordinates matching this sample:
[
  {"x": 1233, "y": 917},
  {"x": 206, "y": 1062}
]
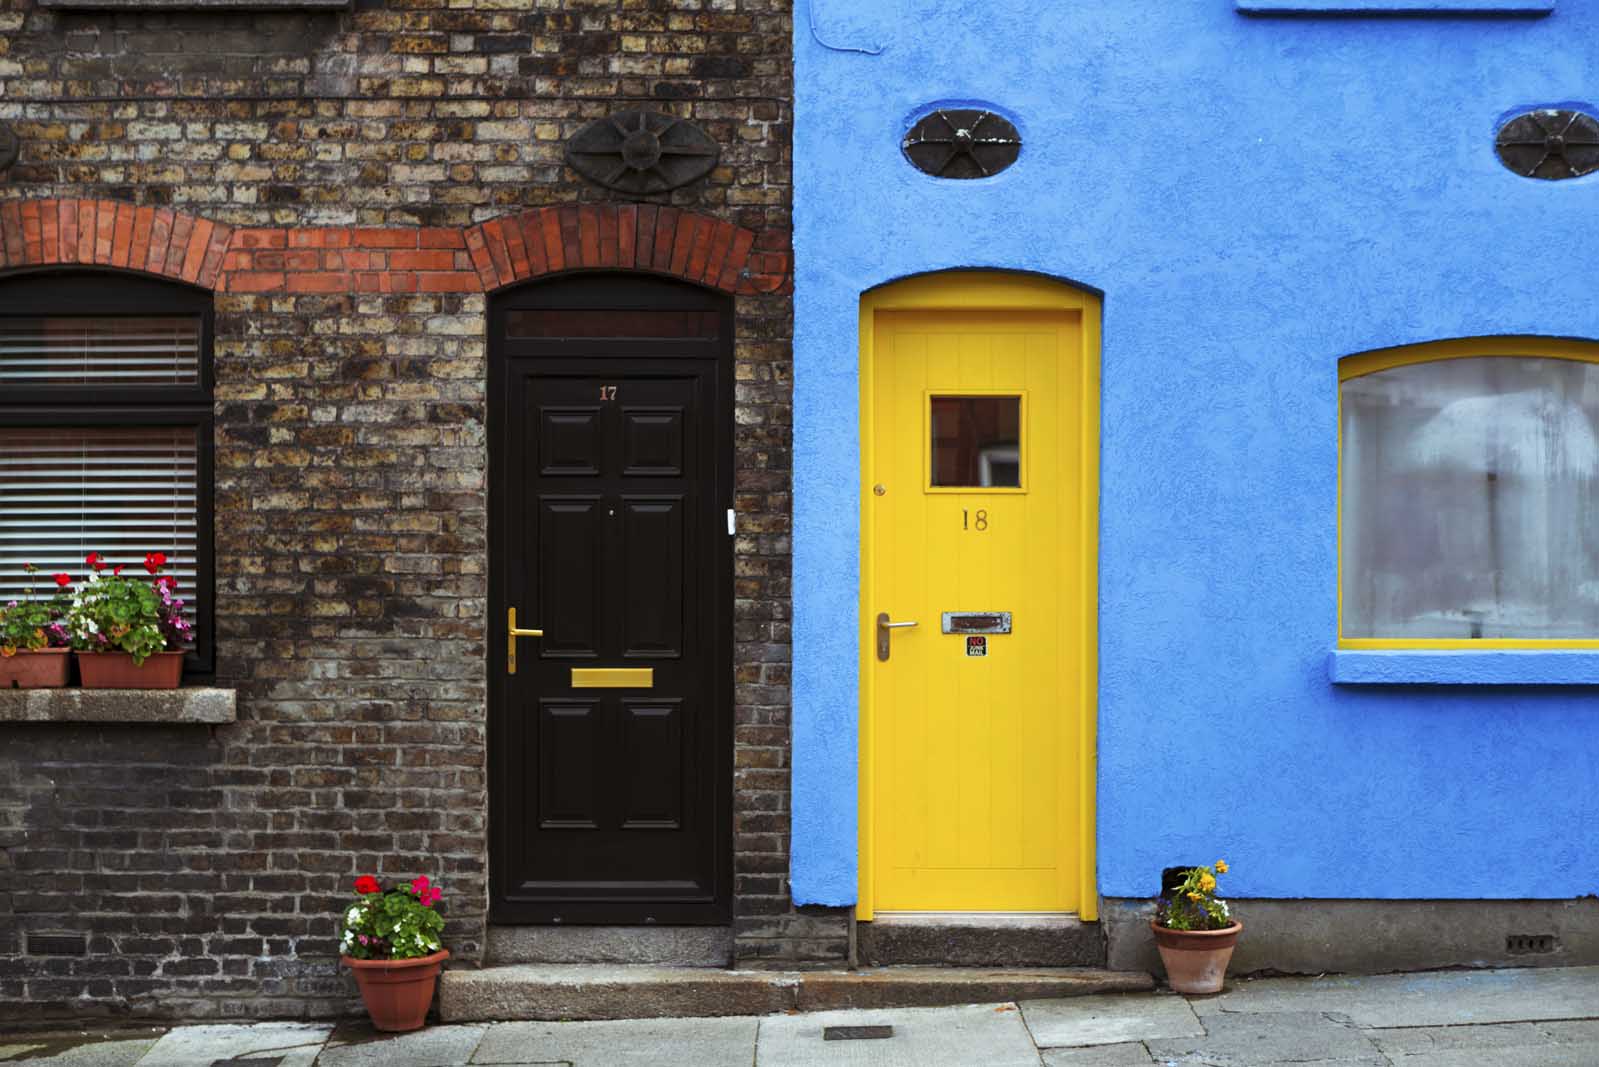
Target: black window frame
[{"x": 74, "y": 293}]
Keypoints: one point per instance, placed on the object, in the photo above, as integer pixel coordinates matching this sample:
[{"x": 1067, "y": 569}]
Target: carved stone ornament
[
  {"x": 642, "y": 152},
  {"x": 1550, "y": 144},
  {"x": 10, "y": 146},
  {"x": 962, "y": 143}
]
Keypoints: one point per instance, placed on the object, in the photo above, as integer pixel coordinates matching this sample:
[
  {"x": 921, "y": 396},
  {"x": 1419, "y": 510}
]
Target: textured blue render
[
  {"x": 1255, "y": 198},
  {"x": 1465, "y": 667}
]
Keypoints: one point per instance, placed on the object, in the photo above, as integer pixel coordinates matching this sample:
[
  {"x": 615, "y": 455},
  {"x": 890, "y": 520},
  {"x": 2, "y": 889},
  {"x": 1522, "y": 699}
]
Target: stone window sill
[
  {"x": 191, "y": 704},
  {"x": 1468, "y": 667},
  {"x": 1397, "y": 7}
]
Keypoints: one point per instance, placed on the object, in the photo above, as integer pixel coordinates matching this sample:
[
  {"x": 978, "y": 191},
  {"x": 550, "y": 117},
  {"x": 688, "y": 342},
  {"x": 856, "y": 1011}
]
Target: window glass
[
  {"x": 1467, "y": 500},
  {"x": 977, "y": 441},
  {"x": 648, "y": 323},
  {"x": 119, "y": 491},
  {"x": 95, "y": 350}
]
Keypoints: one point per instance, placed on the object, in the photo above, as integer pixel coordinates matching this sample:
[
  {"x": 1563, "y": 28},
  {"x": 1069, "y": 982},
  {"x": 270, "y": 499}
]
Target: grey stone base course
[
  {"x": 1373, "y": 936},
  {"x": 665, "y": 946},
  {"x": 194, "y": 704},
  {"x": 529, "y": 991},
  {"x": 981, "y": 941}
]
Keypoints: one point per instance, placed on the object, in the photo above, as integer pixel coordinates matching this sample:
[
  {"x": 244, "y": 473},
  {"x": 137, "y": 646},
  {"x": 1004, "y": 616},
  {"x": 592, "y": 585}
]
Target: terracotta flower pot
[
  {"x": 397, "y": 993},
  {"x": 1196, "y": 960},
  {"x": 115, "y": 670},
  {"x": 44, "y": 668}
]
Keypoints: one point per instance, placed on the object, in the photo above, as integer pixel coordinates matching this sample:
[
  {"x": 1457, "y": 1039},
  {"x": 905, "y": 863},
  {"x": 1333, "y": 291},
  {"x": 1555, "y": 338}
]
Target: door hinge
[{"x": 732, "y": 522}]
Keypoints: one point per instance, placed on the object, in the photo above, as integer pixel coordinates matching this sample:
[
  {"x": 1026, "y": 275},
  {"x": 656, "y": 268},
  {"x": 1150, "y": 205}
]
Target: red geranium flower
[
  {"x": 94, "y": 559},
  {"x": 367, "y": 884},
  {"x": 63, "y": 580},
  {"x": 117, "y": 570},
  {"x": 154, "y": 561}
]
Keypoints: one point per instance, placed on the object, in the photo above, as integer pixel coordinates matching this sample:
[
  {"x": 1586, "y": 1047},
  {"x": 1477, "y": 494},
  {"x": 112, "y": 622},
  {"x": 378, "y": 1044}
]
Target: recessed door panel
[
  {"x": 571, "y": 441},
  {"x": 652, "y": 545},
  {"x": 569, "y": 555},
  {"x": 611, "y": 744},
  {"x": 652, "y": 442},
  {"x": 570, "y": 753},
  {"x": 653, "y": 745}
]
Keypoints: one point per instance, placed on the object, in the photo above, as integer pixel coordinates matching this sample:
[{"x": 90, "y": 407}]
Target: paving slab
[
  {"x": 1575, "y": 1031},
  {"x": 623, "y": 1043},
  {"x": 1541, "y": 1056},
  {"x": 1447, "y": 998},
  {"x": 1108, "y": 1020},
  {"x": 1131, "y": 1054},
  {"x": 85, "y": 1054},
  {"x": 992, "y": 1035},
  {"x": 201, "y": 1046},
  {"x": 1410, "y": 1040},
  {"x": 1240, "y": 1040},
  {"x": 436, "y": 1046}
]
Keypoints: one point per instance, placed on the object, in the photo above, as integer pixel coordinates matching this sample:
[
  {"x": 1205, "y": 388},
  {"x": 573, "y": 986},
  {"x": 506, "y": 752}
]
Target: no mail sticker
[{"x": 977, "y": 645}]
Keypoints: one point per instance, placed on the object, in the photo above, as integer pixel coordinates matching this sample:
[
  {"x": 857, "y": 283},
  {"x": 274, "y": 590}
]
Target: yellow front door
[{"x": 980, "y": 469}]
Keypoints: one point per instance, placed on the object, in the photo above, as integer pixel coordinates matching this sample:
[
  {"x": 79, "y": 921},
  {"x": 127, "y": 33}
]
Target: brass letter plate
[{"x": 613, "y": 677}]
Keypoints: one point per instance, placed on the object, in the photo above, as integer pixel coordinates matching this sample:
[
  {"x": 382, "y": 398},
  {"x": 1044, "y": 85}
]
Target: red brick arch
[
  {"x": 110, "y": 233},
  {"x": 665, "y": 240},
  {"x": 337, "y": 259}
]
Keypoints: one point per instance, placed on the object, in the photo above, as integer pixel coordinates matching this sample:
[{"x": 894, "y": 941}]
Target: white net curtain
[{"x": 1467, "y": 500}]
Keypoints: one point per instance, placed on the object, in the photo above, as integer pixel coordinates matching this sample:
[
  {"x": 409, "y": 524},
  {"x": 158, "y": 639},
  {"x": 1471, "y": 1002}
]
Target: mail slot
[
  {"x": 613, "y": 677},
  {"x": 977, "y": 622}
]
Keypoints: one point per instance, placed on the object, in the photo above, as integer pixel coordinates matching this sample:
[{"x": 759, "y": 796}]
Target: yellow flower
[
  {"x": 1221, "y": 866},
  {"x": 8, "y": 651},
  {"x": 1207, "y": 882},
  {"x": 1193, "y": 896}
]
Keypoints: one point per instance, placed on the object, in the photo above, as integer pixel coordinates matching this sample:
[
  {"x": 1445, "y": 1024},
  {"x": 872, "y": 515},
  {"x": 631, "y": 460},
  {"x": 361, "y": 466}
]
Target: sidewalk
[{"x": 1508, "y": 1018}]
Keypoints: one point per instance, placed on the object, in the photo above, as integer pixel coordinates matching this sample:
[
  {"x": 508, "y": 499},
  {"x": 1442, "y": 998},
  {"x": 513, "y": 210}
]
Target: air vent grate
[{"x": 1531, "y": 944}]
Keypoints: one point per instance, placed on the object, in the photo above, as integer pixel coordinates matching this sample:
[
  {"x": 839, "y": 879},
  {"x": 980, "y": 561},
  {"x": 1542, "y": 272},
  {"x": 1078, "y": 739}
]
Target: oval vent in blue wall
[
  {"x": 1550, "y": 143},
  {"x": 962, "y": 142}
]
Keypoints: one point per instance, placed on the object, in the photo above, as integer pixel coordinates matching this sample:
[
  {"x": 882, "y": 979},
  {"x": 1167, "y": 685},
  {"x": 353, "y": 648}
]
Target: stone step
[
  {"x": 581, "y": 991},
  {"x": 967, "y": 940},
  {"x": 660, "y": 946}
]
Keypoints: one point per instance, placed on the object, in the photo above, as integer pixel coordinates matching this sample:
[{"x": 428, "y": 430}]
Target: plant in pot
[
  {"x": 33, "y": 637},
  {"x": 390, "y": 939},
  {"x": 129, "y": 633},
  {"x": 1196, "y": 933}
]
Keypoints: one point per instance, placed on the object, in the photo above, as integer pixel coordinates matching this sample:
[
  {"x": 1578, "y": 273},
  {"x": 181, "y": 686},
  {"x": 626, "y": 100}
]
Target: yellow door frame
[{"x": 970, "y": 290}]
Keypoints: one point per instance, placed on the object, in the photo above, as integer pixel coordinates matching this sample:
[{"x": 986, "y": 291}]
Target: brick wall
[{"x": 350, "y": 184}]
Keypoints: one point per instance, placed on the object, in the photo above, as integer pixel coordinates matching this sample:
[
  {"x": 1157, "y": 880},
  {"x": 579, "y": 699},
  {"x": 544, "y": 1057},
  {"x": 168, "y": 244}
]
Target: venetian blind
[
  {"x": 120, "y": 491},
  {"x": 100, "y": 350}
]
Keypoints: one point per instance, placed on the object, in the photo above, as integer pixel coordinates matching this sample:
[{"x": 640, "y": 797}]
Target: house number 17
[{"x": 607, "y": 392}]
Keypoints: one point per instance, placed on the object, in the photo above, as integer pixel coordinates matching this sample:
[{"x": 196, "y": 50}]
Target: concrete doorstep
[{"x": 582, "y": 991}]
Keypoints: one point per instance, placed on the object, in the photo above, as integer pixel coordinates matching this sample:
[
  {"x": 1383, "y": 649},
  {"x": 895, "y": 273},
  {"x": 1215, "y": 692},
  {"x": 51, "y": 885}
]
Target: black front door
[{"x": 611, "y": 734}]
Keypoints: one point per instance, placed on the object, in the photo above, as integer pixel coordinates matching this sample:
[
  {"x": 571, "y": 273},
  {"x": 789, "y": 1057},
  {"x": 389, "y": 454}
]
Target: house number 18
[{"x": 978, "y": 521}]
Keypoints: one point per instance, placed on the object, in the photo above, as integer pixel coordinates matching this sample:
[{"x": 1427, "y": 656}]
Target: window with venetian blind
[{"x": 105, "y": 432}]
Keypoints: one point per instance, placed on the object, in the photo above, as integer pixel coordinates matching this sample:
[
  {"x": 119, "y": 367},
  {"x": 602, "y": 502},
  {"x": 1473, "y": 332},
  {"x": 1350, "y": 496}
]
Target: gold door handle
[
  {"x": 511, "y": 634},
  {"x": 885, "y": 630}
]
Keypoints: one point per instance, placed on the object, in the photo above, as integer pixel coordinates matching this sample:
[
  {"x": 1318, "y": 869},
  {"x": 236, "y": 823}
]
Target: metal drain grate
[
  {"x": 1531, "y": 944},
  {"x": 856, "y": 1033}
]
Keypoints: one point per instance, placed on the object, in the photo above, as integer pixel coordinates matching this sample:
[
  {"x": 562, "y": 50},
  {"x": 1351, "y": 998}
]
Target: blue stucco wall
[{"x": 1255, "y": 198}]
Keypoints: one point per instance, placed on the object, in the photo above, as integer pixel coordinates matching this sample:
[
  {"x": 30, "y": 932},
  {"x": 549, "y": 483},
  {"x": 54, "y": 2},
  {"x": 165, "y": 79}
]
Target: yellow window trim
[
  {"x": 927, "y": 445},
  {"x": 987, "y": 290},
  {"x": 1382, "y": 359}
]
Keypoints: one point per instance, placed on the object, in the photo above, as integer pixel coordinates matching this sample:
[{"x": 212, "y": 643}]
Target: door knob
[
  {"x": 511, "y": 634},
  {"x": 885, "y": 630}
]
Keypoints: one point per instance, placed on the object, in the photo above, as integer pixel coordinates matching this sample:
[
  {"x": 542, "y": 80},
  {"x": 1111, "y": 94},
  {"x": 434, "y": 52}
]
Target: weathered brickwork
[{"x": 350, "y": 185}]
